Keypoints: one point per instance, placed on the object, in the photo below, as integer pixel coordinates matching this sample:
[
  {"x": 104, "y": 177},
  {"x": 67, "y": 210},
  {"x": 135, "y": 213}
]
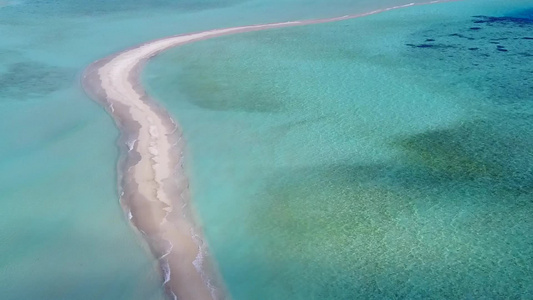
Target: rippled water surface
[{"x": 386, "y": 157}]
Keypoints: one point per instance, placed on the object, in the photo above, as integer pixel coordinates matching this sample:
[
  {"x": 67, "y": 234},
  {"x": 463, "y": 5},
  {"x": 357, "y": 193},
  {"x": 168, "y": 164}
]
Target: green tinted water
[{"x": 378, "y": 158}]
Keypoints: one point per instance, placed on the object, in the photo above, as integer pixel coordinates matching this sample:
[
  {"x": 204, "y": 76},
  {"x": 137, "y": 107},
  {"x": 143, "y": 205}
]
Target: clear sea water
[
  {"x": 386, "y": 157},
  {"x": 62, "y": 232}
]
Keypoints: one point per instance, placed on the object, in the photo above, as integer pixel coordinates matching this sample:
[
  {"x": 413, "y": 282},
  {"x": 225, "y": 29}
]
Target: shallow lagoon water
[
  {"x": 387, "y": 157},
  {"x": 63, "y": 234}
]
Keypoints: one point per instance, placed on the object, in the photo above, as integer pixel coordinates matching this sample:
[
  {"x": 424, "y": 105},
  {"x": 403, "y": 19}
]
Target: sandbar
[{"x": 154, "y": 189}]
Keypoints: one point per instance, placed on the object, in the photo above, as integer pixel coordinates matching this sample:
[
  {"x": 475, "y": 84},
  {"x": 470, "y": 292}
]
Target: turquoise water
[
  {"x": 387, "y": 157},
  {"x": 63, "y": 234}
]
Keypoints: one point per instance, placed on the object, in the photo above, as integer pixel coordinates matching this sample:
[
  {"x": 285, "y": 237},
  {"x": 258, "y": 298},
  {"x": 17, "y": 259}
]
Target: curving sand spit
[{"x": 152, "y": 181}]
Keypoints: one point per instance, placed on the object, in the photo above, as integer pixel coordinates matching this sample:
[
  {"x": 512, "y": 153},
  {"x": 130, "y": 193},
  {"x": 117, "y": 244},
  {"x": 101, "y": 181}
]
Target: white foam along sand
[{"x": 152, "y": 179}]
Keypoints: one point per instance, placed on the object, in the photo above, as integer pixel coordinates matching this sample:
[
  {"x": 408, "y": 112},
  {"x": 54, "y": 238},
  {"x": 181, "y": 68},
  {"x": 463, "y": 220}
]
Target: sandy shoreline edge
[{"x": 153, "y": 186}]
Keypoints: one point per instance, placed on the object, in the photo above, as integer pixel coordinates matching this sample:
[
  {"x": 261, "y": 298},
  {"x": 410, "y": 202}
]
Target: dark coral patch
[
  {"x": 461, "y": 36},
  {"x": 28, "y": 79},
  {"x": 457, "y": 35},
  {"x": 504, "y": 20},
  {"x": 476, "y": 151},
  {"x": 439, "y": 46},
  {"x": 500, "y": 52}
]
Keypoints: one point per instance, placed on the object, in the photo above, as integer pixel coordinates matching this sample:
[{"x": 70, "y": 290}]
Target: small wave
[
  {"x": 198, "y": 263},
  {"x": 199, "y": 259},
  {"x": 131, "y": 144},
  {"x": 168, "y": 251},
  {"x": 121, "y": 198},
  {"x": 175, "y": 126},
  {"x": 130, "y": 215},
  {"x": 166, "y": 270},
  {"x": 174, "y": 295}
]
